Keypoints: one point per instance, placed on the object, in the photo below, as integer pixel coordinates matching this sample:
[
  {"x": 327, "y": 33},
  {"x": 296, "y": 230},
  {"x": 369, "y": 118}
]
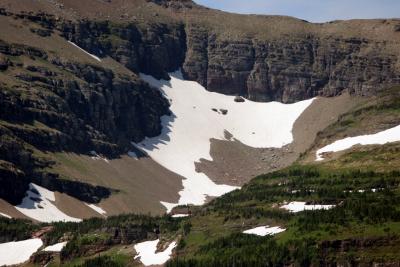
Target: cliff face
[
  {"x": 289, "y": 69},
  {"x": 51, "y": 103},
  {"x": 155, "y": 48}
]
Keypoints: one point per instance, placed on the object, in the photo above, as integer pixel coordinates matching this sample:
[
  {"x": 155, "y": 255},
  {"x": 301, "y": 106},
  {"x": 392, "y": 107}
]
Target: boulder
[{"x": 238, "y": 99}]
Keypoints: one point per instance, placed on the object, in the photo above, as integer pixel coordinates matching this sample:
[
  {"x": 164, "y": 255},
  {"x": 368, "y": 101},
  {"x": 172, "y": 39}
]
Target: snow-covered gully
[
  {"x": 86, "y": 52},
  {"x": 38, "y": 205},
  {"x": 387, "y": 136},
  {"x": 147, "y": 253},
  {"x": 97, "y": 209},
  {"x": 198, "y": 116}
]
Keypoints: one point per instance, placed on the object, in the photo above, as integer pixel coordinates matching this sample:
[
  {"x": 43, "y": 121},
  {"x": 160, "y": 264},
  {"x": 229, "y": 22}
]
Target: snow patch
[
  {"x": 180, "y": 215},
  {"x": 186, "y": 134},
  {"x": 147, "y": 253},
  {"x": 96, "y": 156},
  {"x": 265, "y": 230},
  {"x": 297, "y": 206},
  {"x": 5, "y": 215},
  {"x": 56, "y": 247},
  {"x": 387, "y": 136},
  {"x": 38, "y": 205},
  {"x": 86, "y": 52},
  {"x": 18, "y": 252},
  {"x": 96, "y": 209}
]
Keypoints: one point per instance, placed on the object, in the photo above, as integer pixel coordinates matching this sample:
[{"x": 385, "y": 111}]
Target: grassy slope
[{"x": 216, "y": 227}]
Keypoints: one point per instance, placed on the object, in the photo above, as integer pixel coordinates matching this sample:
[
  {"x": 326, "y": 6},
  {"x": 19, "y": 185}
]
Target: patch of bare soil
[
  {"x": 142, "y": 182},
  {"x": 235, "y": 163},
  {"x": 73, "y": 207},
  {"x": 10, "y": 210}
]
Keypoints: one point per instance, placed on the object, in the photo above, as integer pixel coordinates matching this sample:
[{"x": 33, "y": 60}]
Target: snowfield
[
  {"x": 264, "y": 230},
  {"x": 56, "y": 247},
  {"x": 387, "y": 136},
  {"x": 18, "y": 252},
  {"x": 147, "y": 253},
  {"x": 197, "y": 116},
  {"x": 180, "y": 215},
  {"x": 86, "y": 52},
  {"x": 298, "y": 206},
  {"x": 97, "y": 209},
  {"x": 38, "y": 205}
]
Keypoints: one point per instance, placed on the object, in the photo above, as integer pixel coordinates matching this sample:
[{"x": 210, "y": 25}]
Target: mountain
[{"x": 110, "y": 108}]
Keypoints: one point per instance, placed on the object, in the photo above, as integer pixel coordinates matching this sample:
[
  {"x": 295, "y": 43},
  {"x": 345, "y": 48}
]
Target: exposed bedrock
[
  {"x": 155, "y": 48},
  {"x": 79, "y": 190},
  {"x": 289, "y": 69},
  {"x": 13, "y": 183},
  {"x": 151, "y": 47},
  {"x": 91, "y": 108}
]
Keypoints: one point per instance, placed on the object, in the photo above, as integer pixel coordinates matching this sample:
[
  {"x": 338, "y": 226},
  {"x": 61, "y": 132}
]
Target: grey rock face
[
  {"x": 289, "y": 69},
  {"x": 155, "y": 49},
  {"x": 91, "y": 109}
]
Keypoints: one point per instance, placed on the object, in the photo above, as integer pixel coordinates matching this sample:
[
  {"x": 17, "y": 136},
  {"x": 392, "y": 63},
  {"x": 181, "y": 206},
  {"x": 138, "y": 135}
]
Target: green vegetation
[
  {"x": 146, "y": 223},
  {"x": 366, "y": 215},
  {"x": 15, "y": 229},
  {"x": 104, "y": 261}
]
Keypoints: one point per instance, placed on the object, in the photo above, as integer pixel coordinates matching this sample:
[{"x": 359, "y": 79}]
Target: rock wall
[
  {"x": 288, "y": 69},
  {"x": 91, "y": 108},
  {"x": 155, "y": 48}
]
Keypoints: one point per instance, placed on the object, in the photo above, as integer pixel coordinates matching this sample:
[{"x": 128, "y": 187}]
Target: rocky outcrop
[
  {"x": 91, "y": 108},
  {"x": 13, "y": 183},
  {"x": 155, "y": 49},
  {"x": 288, "y": 69},
  {"x": 339, "y": 252},
  {"x": 104, "y": 111},
  {"x": 4, "y": 63},
  {"x": 79, "y": 190},
  {"x": 42, "y": 258},
  {"x": 129, "y": 235}
]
